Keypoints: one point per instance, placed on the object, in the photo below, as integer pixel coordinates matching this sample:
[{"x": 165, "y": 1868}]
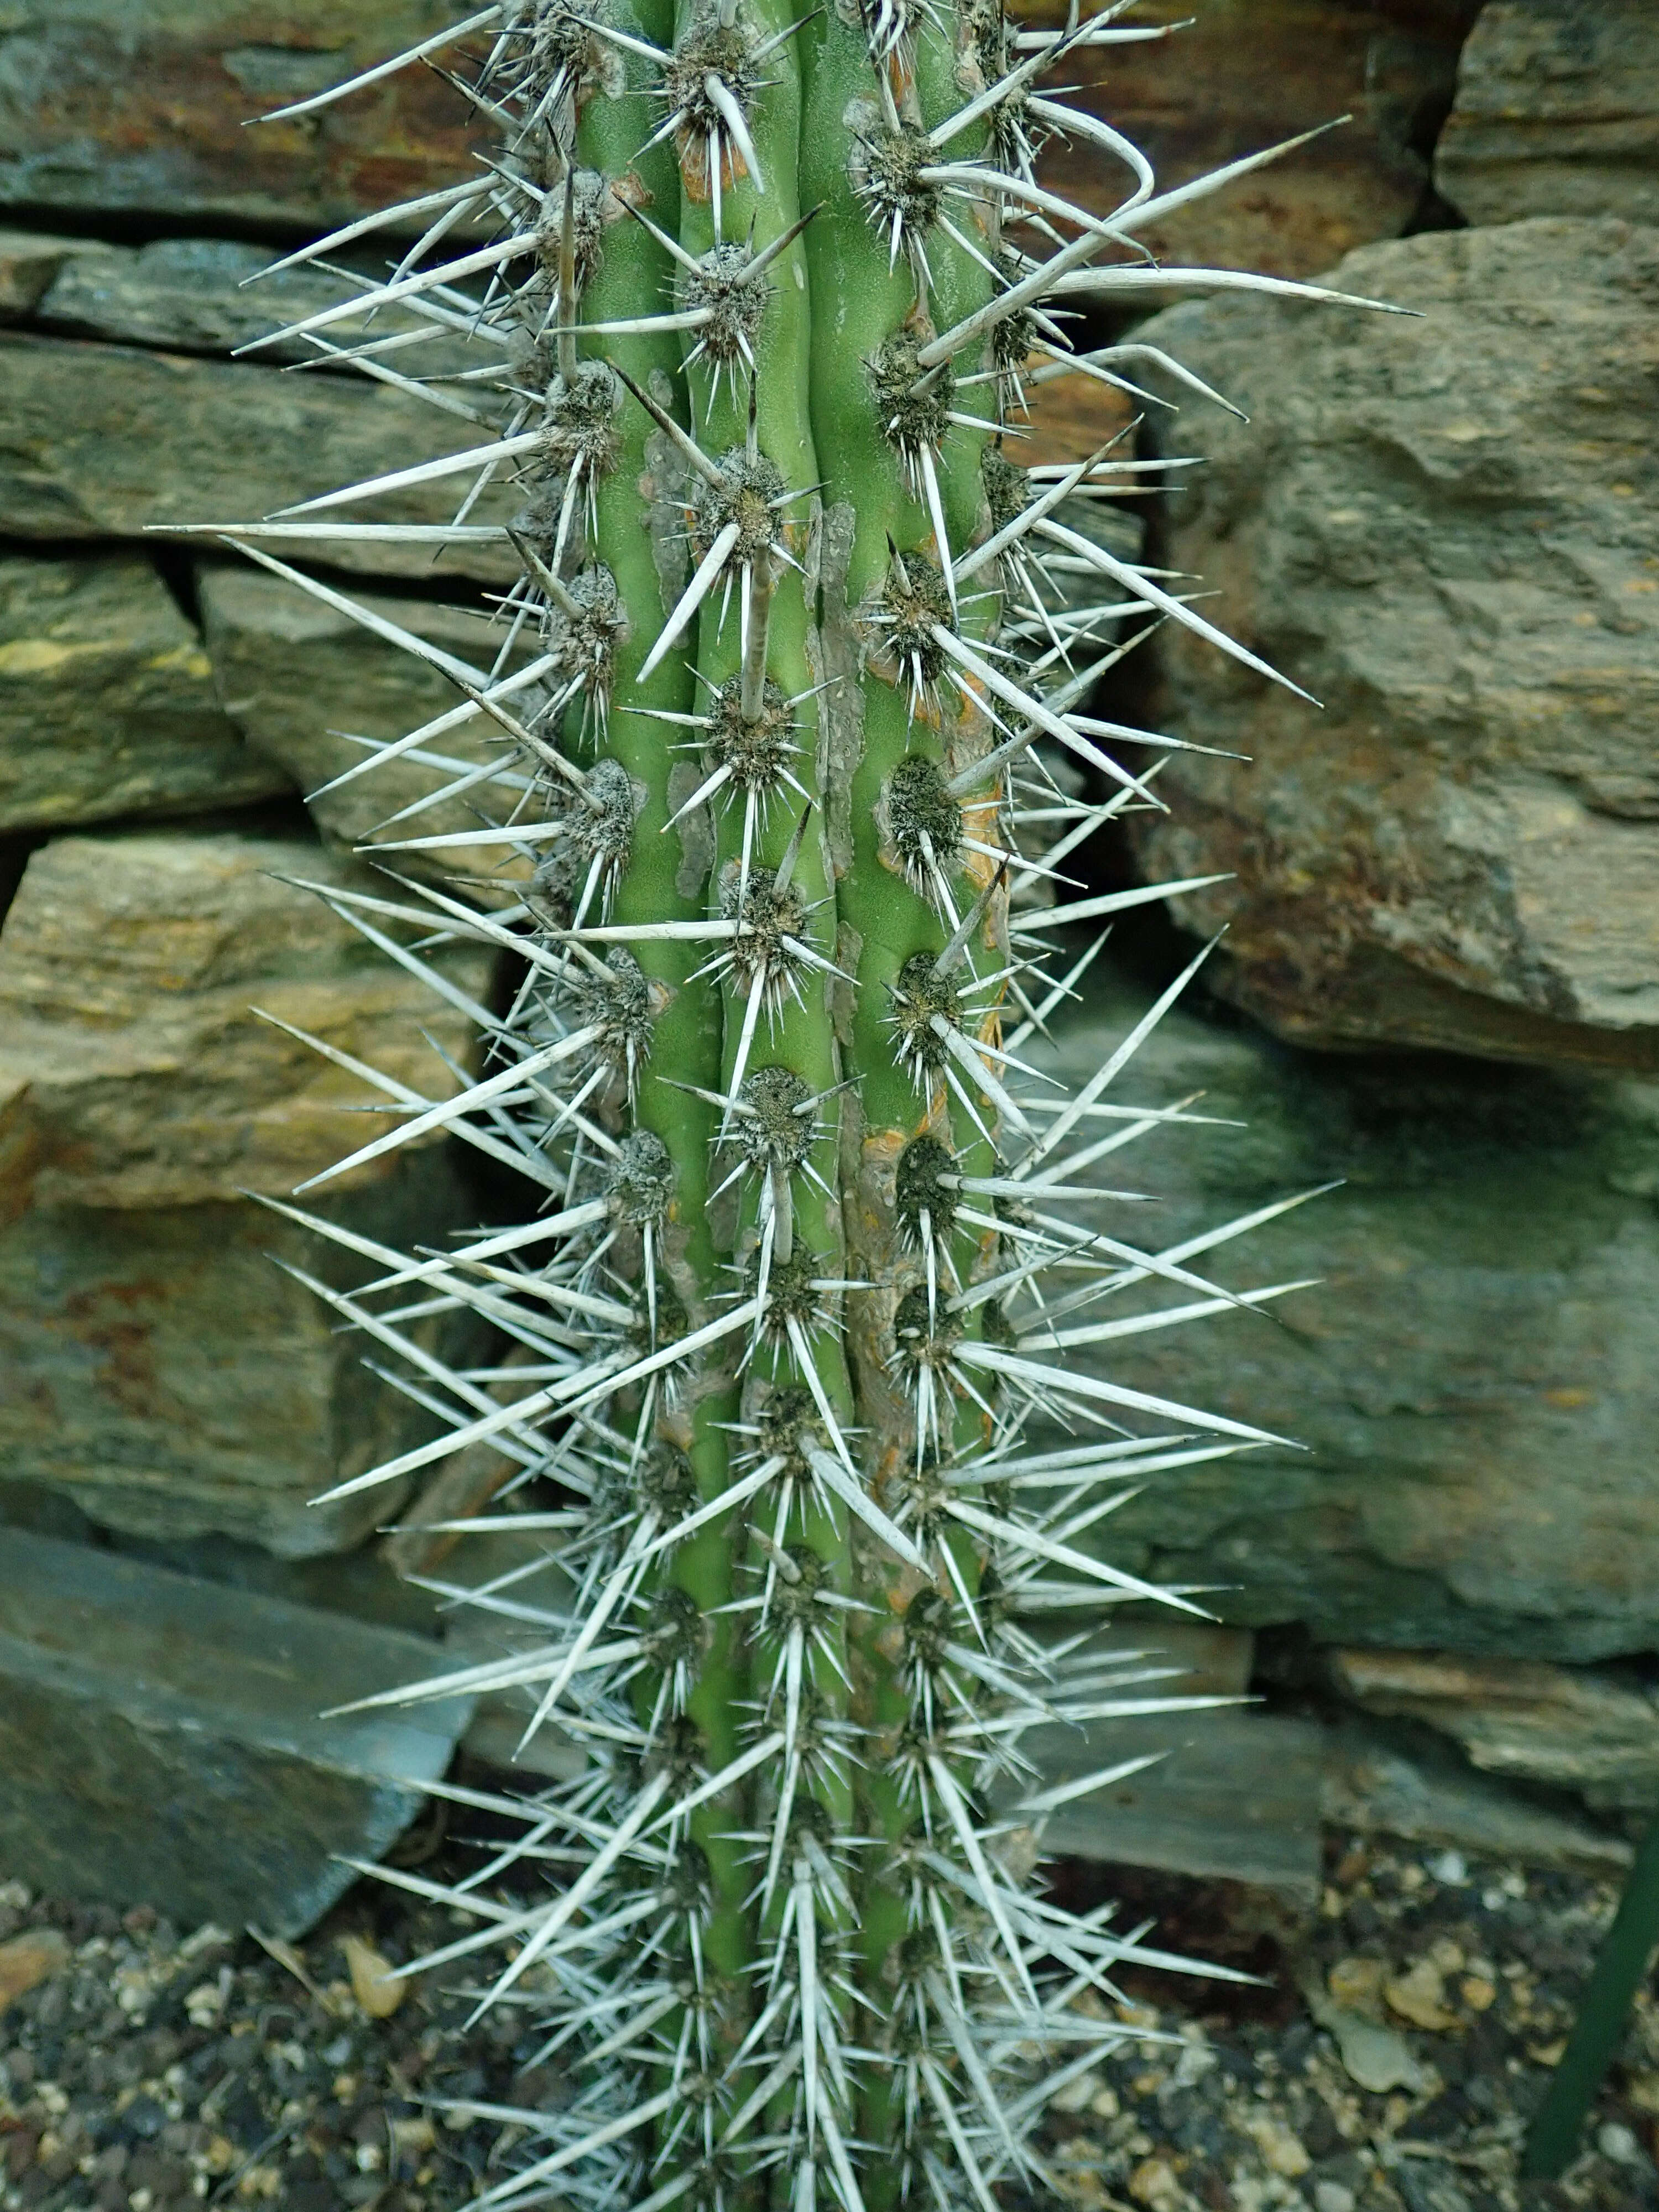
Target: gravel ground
[{"x": 150, "y": 2067}]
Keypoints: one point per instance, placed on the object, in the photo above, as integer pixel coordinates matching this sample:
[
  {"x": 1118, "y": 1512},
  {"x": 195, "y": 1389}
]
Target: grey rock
[
  {"x": 145, "y": 110},
  {"x": 1476, "y": 1378},
  {"x": 154, "y": 1364},
  {"x": 1377, "y": 2057},
  {"x": 198, "y": 295},
  {"x": 1375, "y": 1786},
  {"x": 1444, "y": 529},
  {"x": 292, "y": 674},
  {"x": 1577, "y": 1728},
  {"x": 110, "y": 441},
  {"x": 107, "y": 705},
  {"x": 1234, "y": 1795},
  {"x": 1557, "y": 113},
  {"x": 161, "y": 1740}
]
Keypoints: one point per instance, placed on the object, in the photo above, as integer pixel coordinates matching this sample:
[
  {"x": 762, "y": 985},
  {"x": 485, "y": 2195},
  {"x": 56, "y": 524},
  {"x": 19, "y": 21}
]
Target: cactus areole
[{"x": 775, "y": 755}]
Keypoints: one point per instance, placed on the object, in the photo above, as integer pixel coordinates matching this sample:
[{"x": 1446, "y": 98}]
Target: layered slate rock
[
  {"x": 153, "y": 1362},
  {"x": 277, "y": 656},
  {"x": 131, "y": 964},
  {"x": 1592, "y": 1730},
  {"x": 1557, "y": 113},
  {"x": 1475, "y": 1378},
  {"x": 213, "y": 295},
  {"x": 1444, "y": 529},
  {"x": 160, "y": 1739},
  {"x": 108, "y": 704},
  {"x": 112, "y": 441},
  {"x": 142, "y": 112}
]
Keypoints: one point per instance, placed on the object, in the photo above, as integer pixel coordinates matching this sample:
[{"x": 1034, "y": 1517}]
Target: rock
[
  {"x": 1246, "y": 75},
  {"x": 107, "y": 441},
  {"x": 1574, "y": 1729},
  {"x": 131, "y": 964},
  {"x": 31, "y": 262},
  {"x": 1378, "y": 2059},
  {"x": 1557, "y": 113},
  {"x": 377, "y": 1988},
  {"x": 157, "y": 1369},
  {"x": 103, "y": 108},
  {"x": 160, "y": 1739},
  {"x": 1235, "y": 1795},
  {"x": 1419, "y": 1996},
  {"x": 197, "y": 296},
  {"x": 27, "y": 1960},
  {"x": 1426, "y": 1794},
  {"x": 153, "y": 1363},
  {"x": 286, "y": 666},
  {"x": 1477, "y": 1376},
  {"x": 107, "y": 705},
  {"x": 1282, "y": 2152},
  {"x": 1442, "y": 528}
]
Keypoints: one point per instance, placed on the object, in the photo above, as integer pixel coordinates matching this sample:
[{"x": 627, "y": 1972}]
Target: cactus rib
[{"x": 775, "y": 743}]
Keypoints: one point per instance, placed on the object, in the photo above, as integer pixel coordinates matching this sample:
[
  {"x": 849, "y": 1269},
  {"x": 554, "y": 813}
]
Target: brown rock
[
  {"x": 157, "y": 1368},
  {"x": 27, "y": 1959},
  {"x": 1419, "y": 1995},
  {"x": 1557, "y": 113},
  {"x": 1443, "y": 528},
  {"x": 1578, "y": 1729},
  {"x": 1242, "y": 76},
  {"x": 286, "y": 666},
  {"x": 106, "y": 441},
  {"x": 376, "y": 1984},
  {"x": 107, "y": 701},
  {"x": 103, "y": 107},
  {"x": 154, "y": 1364},
  {"x": 131, "y": 964}
]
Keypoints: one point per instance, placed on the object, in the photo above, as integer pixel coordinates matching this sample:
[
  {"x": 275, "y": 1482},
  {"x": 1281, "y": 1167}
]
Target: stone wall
[{"x": 1443, "y": 905}]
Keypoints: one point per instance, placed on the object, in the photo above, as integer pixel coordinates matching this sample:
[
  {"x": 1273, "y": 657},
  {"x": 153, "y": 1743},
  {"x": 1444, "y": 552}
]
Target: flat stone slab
[
  {"x": 107, "y": 705},
  {"x": 1236, "y": 1796},
  {"x": 160, "y": 1739},
  {"x": 112, "y": 441},
  {"x": 1476, "y": 1378}
]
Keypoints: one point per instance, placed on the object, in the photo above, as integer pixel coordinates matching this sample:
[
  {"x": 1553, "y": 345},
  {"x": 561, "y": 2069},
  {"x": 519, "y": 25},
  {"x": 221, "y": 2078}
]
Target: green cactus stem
[{"x": 785, "y": 750}]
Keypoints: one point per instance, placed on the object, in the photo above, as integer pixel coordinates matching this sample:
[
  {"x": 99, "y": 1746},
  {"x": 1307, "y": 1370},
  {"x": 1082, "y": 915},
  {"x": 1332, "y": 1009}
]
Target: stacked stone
[
  {"x": 1487, "y": 790},
  {"x": 1446, "y": 884},
  {"x": 159, "y": 723}
]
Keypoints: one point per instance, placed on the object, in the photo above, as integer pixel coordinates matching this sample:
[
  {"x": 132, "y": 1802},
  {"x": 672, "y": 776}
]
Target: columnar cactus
[{"x": 790, "y": 732}]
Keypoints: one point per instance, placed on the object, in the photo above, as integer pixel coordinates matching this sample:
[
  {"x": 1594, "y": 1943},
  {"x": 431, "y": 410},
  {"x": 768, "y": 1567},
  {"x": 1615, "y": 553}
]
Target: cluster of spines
[{"x": 786, "y": 704}]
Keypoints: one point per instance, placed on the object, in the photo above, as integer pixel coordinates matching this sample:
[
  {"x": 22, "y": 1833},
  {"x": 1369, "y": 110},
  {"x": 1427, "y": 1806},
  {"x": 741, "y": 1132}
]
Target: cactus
[{"x": 788, "y": 749}]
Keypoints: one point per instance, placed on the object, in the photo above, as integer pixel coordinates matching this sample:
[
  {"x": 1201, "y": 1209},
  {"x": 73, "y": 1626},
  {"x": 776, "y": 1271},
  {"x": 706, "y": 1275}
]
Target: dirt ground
[{"x": 1387, "y": 2063}]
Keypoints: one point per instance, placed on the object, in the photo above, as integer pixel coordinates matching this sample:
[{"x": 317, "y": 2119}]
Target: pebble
[
  {"x": 1615, "y": 2141},
  {"x": 1419, "y": 1995},
  {"x": 27, "y": 1959}
]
